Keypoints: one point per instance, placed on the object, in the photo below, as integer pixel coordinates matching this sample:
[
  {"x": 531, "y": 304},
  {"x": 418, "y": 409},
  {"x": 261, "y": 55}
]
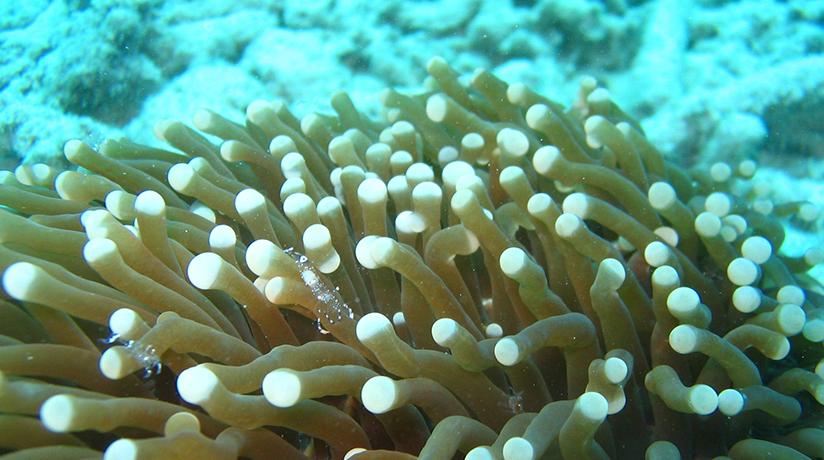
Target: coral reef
[
  {"x": 108, "y": 69},
  {"x": 484, "y": 271}
]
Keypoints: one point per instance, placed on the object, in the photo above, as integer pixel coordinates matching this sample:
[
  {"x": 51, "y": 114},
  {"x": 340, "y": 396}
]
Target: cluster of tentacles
[{"x": 485, "y": 271}]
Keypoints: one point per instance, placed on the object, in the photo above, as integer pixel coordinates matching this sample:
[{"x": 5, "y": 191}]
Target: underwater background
[{"x": 708, "y": 82}]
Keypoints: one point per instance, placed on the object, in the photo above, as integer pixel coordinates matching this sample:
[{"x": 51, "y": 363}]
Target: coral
[
  {"x": 483, "y": 271},
  {"x": 708, "y": 68}
]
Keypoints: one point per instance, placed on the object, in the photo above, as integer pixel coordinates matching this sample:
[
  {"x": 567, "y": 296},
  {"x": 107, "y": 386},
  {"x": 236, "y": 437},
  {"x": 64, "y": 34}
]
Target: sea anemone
[{"x": 484, "y": 271}]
